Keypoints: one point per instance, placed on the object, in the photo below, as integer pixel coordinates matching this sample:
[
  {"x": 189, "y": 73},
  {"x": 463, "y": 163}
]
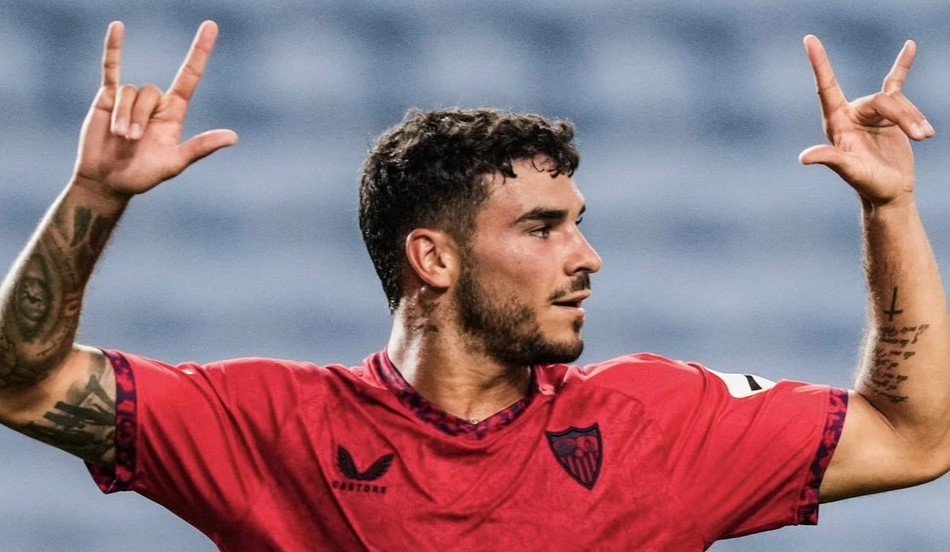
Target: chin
[
  {"x": 572, "y": 354},
  {"x": 558, "y": 352},
  {"x": 558, "y": 347},
  {"x": 536, "y": 349}
]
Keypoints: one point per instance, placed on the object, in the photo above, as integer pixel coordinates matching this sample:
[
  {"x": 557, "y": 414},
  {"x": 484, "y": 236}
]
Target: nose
[{"x": 584, "y": 257}]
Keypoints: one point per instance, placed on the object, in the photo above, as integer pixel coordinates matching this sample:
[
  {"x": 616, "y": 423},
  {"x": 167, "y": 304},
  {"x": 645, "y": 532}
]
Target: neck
[{"x": 443, "y": 366}]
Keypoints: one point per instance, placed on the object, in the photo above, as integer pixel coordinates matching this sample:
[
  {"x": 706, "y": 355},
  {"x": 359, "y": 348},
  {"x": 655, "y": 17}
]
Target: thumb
[
  {"x": 206, "y": 143},
  {"x": 823, "y": 154}
]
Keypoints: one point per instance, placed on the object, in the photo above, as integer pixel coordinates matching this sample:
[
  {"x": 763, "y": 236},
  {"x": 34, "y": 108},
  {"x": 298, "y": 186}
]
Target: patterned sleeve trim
[
  {"x": 120, "y": 476},
  {"x": 834, "y": 423}
]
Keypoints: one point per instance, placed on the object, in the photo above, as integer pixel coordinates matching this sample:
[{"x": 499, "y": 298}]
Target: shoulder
[
  {"x": 650, "y": 376},
  {"x": 238, "y": 376},
  {"x": 640, "y": 363},
  {"x": 633, "y": 372},
  {"x": 268, "y": 369}
]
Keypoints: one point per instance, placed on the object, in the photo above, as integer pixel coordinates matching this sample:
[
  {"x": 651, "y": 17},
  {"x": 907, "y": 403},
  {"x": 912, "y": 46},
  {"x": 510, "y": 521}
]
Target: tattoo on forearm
[
  {"x": 8, "y": 357},
  {"x": 892, "y": 312},
  {"x": 895, "y": 345},
  {"x": 84, "y": 424},
  {"x": 40, "y": 312},
  {"x": 99, "y": 233},
  {"x": 33, "y": 297},
  {"x": 81, "y": 219}
]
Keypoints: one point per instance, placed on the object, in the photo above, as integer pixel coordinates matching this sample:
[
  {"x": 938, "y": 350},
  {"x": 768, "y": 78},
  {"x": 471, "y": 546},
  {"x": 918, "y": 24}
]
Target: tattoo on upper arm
[
  {"x": 40, "y": 313},
  {"x": 895, "y": 345},
  {"x": 83, "y": 424}
]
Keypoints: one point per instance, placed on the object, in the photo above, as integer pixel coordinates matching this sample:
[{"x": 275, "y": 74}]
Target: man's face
[{"x": 526, "y": 270}]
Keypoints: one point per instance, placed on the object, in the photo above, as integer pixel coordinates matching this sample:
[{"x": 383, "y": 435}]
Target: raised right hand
[
  {"x": 131, "y": 138},
  {"x": 870, "y": 136}
]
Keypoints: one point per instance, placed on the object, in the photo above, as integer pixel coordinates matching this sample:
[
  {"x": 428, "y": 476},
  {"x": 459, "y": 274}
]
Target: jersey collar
[{"x": 439, "y": 419}]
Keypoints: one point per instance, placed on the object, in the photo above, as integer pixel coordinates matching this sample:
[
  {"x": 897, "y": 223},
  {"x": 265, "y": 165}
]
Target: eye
[
  {"x": 541, "y": 232},
  {"x": 579, "y": 221}
]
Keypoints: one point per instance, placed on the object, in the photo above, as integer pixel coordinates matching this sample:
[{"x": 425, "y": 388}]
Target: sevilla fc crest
[{"x": 579, "y": 452}]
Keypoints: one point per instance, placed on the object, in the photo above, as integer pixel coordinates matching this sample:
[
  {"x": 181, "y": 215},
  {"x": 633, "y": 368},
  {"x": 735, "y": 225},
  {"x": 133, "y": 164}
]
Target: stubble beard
[{"x": 506, "y": 329}]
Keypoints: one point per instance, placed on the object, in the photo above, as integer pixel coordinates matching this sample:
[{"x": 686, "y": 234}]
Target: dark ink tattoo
[
  {"x": 421, "y": 320},
  {"x": 81, "y": 220},
  {"x": 40, "y": 313},
  {"x": 895, "y": 345},
  {"x": 892, "y": 312},
  {"x": 84, "y": 425},
  {"x": 33, "y": 297},
  {"x": 8, "y": 357},
  {"x": 100, "y": 233}
]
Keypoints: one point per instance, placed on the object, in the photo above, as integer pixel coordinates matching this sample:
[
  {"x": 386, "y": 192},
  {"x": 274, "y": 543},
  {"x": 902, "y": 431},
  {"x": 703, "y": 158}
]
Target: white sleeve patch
[{"x": 743, "y": 385}]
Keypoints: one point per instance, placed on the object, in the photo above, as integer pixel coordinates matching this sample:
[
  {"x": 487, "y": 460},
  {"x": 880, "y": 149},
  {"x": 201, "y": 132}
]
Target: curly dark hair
[{"x": 431, "y": 169}]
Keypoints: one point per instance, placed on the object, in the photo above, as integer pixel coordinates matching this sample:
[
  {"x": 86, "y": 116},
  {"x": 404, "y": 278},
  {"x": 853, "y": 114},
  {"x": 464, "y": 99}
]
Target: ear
[{"x": 433, "y": 257}]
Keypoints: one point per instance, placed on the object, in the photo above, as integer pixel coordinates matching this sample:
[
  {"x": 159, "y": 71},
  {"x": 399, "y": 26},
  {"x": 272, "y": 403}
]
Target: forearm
[
  {"x": 905, "y": 371},
  {"x": 41, "y": 297}
]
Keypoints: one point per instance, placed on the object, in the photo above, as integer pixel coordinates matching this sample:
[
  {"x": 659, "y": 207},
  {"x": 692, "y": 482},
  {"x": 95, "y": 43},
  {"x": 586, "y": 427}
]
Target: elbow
[
  {"x": 941, "y": 463},
  {"x": 21, "y": 389},
  {"x": 940, "y": 452},
  {"x": 932, "y": 471},
  {"x": 931, "y": 462},
  {"x": 23, "y": 374}
]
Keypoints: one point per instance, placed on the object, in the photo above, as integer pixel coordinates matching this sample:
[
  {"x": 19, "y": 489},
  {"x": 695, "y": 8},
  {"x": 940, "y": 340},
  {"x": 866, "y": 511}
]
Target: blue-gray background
[{"x": 718, "y": 246}]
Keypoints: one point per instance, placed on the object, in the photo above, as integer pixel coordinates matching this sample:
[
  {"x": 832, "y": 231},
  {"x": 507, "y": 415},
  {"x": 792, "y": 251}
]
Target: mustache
[{"x": 581, "y": 283}]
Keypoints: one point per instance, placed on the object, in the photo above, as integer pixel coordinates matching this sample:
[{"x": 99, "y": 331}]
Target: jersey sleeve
[
  {"x": 745, "y": 454},
  {"x": 196, "y": 438}
]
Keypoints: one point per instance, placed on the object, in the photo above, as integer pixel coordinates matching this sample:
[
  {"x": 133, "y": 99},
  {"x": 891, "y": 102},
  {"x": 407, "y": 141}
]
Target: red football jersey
[{"x": 638, "y": 453}]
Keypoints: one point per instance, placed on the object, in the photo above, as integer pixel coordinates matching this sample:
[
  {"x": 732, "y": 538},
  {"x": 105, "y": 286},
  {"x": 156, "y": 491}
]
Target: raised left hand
[{"x": 870, "y": 136}]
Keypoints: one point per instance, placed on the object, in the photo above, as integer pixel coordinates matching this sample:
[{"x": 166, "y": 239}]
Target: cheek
[
  {"x": 503, "y": 263},
  {"x": 519, "y": 276},
  {"x": 518, "y": 269}
]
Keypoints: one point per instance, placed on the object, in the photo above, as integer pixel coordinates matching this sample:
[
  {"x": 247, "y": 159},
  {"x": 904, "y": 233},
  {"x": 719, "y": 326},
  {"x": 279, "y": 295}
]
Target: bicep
[
  {"x": 872, "y": 456},
  {"x": 73, "y": 409}
]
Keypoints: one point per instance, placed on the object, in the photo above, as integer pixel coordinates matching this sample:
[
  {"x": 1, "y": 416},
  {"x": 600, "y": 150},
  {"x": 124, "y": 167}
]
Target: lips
[{"x": 572, "y": 301}]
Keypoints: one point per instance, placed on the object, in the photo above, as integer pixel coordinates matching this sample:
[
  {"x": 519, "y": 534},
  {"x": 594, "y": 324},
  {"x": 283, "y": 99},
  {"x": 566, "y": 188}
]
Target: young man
[{"x": 468, "y": 430}]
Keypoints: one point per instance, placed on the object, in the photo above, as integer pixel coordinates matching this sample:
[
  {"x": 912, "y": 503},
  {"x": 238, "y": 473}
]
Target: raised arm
[
  {"x": 50, "y": 388},
  {"x": 897, "y": 431}
]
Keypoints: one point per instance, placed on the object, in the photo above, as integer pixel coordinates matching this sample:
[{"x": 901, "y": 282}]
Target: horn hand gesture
[
  {"x": 870, "y": 136},
  {"x": 131, "y": 138}
]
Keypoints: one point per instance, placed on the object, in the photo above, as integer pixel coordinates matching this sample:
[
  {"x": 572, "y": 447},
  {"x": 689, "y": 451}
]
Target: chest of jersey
[{"x": 578, "y": 470}]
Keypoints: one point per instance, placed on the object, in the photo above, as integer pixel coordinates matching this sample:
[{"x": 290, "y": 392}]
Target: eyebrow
[{"x": 547, "y": 215}]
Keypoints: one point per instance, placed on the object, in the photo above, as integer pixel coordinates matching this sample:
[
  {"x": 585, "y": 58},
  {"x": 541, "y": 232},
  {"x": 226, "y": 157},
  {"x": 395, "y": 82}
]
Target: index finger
[
  {"x": 895, "y": 79},
  {"x": 189, "y": 75},
  {"x": 112, "y": 55},
  {"x": 829, "y": 91}
]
